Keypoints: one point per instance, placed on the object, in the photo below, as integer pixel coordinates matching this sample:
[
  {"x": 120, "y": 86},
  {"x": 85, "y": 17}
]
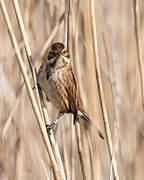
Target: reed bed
[{"x": 105, "y": 40}]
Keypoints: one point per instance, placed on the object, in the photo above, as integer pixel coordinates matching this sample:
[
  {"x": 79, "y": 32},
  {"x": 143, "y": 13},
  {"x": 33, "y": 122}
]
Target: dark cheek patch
[{"x": 51, "y": 55}]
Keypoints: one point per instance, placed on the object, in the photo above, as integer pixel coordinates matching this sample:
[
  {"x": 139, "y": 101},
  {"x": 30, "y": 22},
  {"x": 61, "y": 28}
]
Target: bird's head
[{"x": 58, "y": 56}]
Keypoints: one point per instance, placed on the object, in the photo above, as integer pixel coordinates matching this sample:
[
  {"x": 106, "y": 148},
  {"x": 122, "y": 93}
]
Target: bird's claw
[{"x": 49, "y": 128}]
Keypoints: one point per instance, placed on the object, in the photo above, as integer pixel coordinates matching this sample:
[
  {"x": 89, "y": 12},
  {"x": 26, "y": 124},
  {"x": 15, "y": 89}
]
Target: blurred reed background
[{"x": 120, "y": 40}]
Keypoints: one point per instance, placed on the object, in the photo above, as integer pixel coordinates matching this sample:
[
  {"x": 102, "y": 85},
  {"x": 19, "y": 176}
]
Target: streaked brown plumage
[{"x": 57, "y": 80}]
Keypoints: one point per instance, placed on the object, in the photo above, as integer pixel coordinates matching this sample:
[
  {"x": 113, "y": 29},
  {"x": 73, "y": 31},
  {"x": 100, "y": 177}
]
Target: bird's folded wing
[{"x": 71, "y": 88}]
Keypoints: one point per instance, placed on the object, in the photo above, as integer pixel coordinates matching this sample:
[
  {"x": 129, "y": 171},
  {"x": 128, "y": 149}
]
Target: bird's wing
[
  {"x": 71, "y": 88},
  {"x": 75, "y": 103}
]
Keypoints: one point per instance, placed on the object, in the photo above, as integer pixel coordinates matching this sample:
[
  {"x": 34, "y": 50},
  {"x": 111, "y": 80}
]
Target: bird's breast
[{"x": 54, "y": 88}]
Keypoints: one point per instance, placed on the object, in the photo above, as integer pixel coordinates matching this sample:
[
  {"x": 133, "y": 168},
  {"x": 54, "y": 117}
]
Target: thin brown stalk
[
  {"x": 69, "y": 26},
  {"x": 76, "y": 58},
  {"x": 80, "y": 149},
  {"x": 100, "y": 90},
  {"x": 27, "y": 47},
  {"x": 29, "y": 90},
  {"x": 73, "y": 151},
  {"x": 77, "y": 125},
  {"x": 46, "y": 118},
  {"x": 76, "y": 55},
  {"x": 52, "y": 140},
  {"x": 137, "y": 34},
  {"x": 113, "y": 90},
  {"x": 65, "y": 34},
  {"x": 54, "y": 145},
  {"x": 67, "y": 42},
  {"x": 65, "y": 153}
]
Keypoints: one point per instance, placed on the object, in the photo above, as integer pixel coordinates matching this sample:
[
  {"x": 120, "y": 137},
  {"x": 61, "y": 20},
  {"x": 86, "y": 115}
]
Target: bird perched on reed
[{"x": 57, "y": 80}]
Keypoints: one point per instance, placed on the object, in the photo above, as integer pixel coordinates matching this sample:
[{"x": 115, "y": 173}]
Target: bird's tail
[{"x": 82, "y": 115}]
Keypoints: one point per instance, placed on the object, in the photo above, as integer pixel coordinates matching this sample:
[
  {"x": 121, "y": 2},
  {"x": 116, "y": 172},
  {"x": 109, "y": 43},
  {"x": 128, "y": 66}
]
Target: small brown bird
[{"x": 57, "y": 80}]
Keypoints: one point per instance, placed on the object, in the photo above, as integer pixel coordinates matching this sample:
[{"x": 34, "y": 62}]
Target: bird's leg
[
  {"x": 50, "y": 126},
  {"x": 75, "y": 119}
]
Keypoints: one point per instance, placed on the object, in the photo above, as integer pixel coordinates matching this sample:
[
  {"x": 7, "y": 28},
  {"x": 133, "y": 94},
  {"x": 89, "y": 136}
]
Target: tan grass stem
[
  {"x": 77, "y": 125},
  {"x": 100, "y": 89},
  {"x": 29, "y": 90},
  {"x": 27, "y": 47},
  {"x": 46, "y": 118},
  {"x": 80, "y": 149}
]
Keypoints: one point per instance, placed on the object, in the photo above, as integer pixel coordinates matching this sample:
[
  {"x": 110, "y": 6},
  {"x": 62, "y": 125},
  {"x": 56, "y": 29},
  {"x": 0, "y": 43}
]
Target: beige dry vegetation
[{"x": 120, "y": 40}]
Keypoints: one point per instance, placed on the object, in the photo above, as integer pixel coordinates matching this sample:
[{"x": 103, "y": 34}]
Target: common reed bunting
[{"x": 57, "y": 80}]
